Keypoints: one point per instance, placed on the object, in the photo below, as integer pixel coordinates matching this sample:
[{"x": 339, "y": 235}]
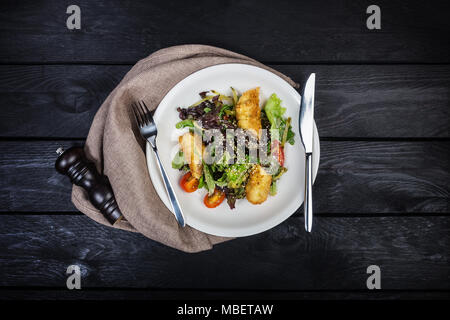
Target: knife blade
[
  {"x": 306, "y": 125},
  {"x": 306, "y": 119}
]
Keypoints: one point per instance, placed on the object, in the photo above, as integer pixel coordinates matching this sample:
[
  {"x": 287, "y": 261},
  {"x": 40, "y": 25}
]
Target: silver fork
[{"x": 148, "y": 130}]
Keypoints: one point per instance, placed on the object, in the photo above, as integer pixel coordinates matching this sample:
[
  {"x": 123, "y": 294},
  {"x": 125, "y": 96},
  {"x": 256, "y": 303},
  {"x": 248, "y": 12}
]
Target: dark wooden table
[{"x": 382, "y": 195}]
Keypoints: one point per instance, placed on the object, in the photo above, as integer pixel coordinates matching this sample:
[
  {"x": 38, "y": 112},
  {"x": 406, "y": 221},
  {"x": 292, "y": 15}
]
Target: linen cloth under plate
[{"x": 118, "y": 150}]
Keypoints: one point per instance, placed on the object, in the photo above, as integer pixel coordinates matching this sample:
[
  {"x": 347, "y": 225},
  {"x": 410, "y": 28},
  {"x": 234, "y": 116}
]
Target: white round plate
[{"x": 246, "y": 219}]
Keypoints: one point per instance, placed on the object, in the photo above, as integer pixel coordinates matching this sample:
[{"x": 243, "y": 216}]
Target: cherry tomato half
[
  {"x": 278, "y": 152},
  {"x": 212, "y": 201},
  {"x": 189, "y": 183}
]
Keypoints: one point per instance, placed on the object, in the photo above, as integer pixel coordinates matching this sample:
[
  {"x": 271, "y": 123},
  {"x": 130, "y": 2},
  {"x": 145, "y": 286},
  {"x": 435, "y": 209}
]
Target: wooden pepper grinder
[{"x": 74, "y": 164}]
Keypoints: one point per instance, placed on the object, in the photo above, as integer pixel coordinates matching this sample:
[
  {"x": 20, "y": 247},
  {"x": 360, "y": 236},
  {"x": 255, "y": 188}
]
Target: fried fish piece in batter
[
  {"x": 258, "y": 185},
  {"x": 192, "y": 147},
  {"x": 248, "y": 112}
]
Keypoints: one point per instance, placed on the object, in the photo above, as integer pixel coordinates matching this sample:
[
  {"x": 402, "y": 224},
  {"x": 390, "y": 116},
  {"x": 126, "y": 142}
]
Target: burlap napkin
[{"x": 117, "y": 148}]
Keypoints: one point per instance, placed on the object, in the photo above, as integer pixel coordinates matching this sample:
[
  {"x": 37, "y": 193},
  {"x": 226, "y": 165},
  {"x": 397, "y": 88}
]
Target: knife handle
[{"x": 308, "y": 193}]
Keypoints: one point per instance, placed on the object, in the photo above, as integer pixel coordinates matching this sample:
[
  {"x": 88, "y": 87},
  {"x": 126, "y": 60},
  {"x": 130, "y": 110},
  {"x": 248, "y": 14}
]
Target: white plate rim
[{"x": 159, "y": 187}]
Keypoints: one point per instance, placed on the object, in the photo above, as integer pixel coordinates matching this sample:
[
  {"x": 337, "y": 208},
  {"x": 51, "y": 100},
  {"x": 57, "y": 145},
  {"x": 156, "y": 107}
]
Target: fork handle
[{"x": 172, "y": 197}]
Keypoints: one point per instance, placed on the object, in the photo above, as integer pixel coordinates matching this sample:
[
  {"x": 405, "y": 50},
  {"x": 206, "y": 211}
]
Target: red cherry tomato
[
  {"x": 212, "y": 201},
  {"x": 189, "y": 183},
  {"x": 278, "y": 152}
]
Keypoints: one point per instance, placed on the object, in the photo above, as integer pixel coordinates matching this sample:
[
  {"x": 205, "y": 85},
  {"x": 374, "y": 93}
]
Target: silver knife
[{"x": 306, "y": 125}]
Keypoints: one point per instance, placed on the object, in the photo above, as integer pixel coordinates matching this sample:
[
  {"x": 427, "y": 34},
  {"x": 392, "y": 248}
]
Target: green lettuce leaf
[
  {"x": 178, "y": 160},
  {"x": 237, "y": 174},
  {"x": 209, "y": 180},
  {"x": 201, "y": 182},
  {"x": 274, "y": 111},
  {"x": 185, "y": 123},
  {"x": 273, "y": 188}
]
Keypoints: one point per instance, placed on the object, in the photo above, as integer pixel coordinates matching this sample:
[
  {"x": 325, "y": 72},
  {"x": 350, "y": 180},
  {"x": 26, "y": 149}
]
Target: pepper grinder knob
[{"x": 74, "y": 164}]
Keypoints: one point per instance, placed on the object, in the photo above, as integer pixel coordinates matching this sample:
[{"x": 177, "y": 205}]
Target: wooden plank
[
  {"x": 364, "y": 101},
  {"x": 119, "y": 294},
  {"x": 380, "y": 101},
  {"x": 316, "y": 31},
  {"x": 412, "y": 253},
  {"x": 52, "y": 101},
  {"x": 362, "y": 177}
]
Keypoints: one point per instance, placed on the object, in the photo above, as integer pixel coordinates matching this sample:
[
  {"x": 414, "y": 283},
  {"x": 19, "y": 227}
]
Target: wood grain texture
[
  {"x": 121, "y": 294},
  {"x": 412, "y": 253},
  {"x": 315, "y": 31},
  {"x": 51, "y": 101},
  {"x": 379, "y": 101},
  {"x": 363, "y": 101},
  {"x": 354, "y": 177},
  {"x": 381, "y": 197}
]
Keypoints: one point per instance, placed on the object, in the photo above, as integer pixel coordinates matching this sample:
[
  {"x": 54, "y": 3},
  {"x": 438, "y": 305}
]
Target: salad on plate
[{"x": 231, "y": 147}]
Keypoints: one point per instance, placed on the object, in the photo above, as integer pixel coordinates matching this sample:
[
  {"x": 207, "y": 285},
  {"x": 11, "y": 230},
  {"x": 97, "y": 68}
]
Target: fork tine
[
  {"x": 138, "y": 115},
  {"x": 147, "y": 112},
  {"x": 133, "y": 108},
  {"x": 144, "y": 113}
]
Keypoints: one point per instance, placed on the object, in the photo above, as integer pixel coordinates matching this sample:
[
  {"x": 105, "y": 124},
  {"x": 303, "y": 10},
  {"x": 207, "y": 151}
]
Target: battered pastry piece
[
  {"x": 193, "y": 147},
  {"x": 258, "y": 185},
  {"x": 248, "y": 112}
]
